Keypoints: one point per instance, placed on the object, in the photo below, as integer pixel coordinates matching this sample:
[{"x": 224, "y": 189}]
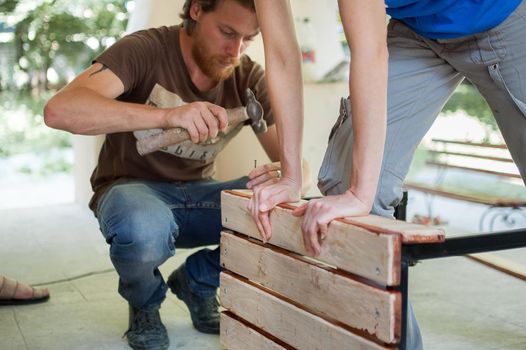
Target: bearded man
[{"x": 180, "y": 76}]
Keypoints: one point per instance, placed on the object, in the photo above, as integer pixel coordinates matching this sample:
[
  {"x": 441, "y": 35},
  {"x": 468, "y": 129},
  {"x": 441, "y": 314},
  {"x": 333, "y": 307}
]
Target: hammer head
[{"x": 255, "y": 113}]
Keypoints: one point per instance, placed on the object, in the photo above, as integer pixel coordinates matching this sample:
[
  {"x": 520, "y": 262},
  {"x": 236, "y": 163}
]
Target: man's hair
[{"x": 207, "y": 6}]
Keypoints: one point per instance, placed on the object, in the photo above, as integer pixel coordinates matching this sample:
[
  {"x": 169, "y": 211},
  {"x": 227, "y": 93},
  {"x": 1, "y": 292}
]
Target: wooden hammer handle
[{"x": 174, "y": 136}]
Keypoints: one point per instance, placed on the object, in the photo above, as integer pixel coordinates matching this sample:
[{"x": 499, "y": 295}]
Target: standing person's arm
[
  {"x": 284, "y": 80},
  {"x": 366, "y": 33}
]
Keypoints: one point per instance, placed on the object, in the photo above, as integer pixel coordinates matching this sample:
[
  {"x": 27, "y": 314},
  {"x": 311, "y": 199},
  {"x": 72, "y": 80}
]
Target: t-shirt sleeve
[
  {"x": 130, "y": 57},
  {"x": 257, "y": 83}
]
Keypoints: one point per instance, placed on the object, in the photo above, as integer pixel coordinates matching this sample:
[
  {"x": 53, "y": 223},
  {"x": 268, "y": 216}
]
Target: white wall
[
  {"x": 325, "y": 37},
  {"x": 148, "y": 14},
  {"x": 322, "y": 104}
]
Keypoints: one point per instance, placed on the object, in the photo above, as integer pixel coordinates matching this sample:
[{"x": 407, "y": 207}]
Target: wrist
[
  {"x": 363, "y": 197},
  {"x": 292, "y": 171},
  {"x": 163, "y": 117}
]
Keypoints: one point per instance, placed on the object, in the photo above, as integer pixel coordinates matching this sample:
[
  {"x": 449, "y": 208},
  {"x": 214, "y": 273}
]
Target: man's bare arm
[{"x": 87, "y": 106}]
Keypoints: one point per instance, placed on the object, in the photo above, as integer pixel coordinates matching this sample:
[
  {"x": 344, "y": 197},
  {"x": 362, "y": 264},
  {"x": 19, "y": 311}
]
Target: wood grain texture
[
  {"x": 410, "y": 232},
  {"x": 360, "y": 306},
  {"x": 235, "y": 335},
  {"x": 501, "y": 264},
  {"x": 375, "y": 256},
  {"x": 474, "y": 198},
  {"x": 290, "y": 324}
]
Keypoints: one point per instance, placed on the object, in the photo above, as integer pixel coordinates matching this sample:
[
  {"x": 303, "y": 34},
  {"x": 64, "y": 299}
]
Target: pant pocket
[
  {"x": 496, "y": 75},
  {"x": 333, "y": 177}
]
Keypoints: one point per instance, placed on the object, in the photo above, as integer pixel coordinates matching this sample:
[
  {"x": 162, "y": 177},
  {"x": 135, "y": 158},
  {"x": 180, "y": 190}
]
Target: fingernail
[{"x": 263, "y": 207}]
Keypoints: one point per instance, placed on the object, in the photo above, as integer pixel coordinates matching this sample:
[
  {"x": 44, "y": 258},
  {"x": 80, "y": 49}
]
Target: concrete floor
[{"x": 459, "y": 303}]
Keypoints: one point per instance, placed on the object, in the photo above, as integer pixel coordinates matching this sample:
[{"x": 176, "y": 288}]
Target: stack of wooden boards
[{"x": 347, "y": 298}]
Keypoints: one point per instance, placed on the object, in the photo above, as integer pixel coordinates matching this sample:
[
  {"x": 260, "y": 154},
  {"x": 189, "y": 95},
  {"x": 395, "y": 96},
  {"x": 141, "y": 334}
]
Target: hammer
[{"x": 253, "y": 111}]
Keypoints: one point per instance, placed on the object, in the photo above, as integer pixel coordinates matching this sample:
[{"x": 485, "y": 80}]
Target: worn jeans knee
[{"x": 141, "y": 231}]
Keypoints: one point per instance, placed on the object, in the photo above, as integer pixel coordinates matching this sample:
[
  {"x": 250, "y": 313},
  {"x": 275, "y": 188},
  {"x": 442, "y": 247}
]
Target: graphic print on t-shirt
[{"x": 203, "y": 151}]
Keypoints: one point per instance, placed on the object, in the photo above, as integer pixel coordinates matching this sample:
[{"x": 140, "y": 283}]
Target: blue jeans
[{"x": 144, "y": 221}]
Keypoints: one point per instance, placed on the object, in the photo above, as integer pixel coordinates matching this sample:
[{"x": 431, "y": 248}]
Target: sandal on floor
[{"x": 9, "y": 289}]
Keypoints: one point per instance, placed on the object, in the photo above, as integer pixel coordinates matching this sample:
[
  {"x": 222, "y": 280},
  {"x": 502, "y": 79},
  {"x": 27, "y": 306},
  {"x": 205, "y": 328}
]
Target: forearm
[
  {"x": 283, "y": 74},
  {"x": 368, "y": 90},
  {"x": 83, "y": 111},
  {"x": 366, "y": 33},
  {"x": 289, "y": 121}
]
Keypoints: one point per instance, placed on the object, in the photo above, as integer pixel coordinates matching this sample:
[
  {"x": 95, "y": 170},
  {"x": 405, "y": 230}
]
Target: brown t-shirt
[{"x": 150, "y": 65}]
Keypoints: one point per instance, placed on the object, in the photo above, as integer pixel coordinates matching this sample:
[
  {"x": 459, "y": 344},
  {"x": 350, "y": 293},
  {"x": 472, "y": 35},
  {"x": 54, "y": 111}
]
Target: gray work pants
[{"x": 423, "y": 73}]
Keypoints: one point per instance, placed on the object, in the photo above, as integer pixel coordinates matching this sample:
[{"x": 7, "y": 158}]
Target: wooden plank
[
  {"x": 410, "y": 232},
  {"x": 475, "y": 144},
  {"x": 237, "y": 336},
  {"x": 351, "y": 248},
  {"x": 292, "y": 325},
  {"x": 360, "y": 306},
  {"x": 486, "y": 171},
  {"x": 469, "y": 155},
  {"x": 444, "y": 192},
  {"x": 501, "y": 264}
]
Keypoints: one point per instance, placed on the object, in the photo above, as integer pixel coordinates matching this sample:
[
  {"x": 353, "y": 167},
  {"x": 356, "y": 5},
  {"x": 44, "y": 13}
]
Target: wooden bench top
[{"x": 410, "y": 233}]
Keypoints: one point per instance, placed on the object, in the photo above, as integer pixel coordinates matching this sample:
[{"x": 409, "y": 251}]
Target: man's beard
[{"x": 211, "y": 65}]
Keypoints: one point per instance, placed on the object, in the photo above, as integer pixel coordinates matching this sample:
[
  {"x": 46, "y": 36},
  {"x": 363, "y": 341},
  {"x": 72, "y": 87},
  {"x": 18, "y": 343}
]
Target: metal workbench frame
[{"x": 456, "y": 246}]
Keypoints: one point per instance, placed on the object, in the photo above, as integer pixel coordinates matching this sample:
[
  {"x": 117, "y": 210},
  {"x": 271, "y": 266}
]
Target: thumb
[{"x": 220, "y": 113}]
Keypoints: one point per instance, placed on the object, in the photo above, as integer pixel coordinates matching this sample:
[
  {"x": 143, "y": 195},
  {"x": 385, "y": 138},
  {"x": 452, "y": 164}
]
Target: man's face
[{"x": 221, "y": 36}]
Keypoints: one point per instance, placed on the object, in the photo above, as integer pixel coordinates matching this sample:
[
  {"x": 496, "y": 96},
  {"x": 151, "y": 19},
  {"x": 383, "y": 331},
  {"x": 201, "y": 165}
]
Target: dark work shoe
[
  {"x": 146, "y": 331},
  {"x": 204, "y": 311}
]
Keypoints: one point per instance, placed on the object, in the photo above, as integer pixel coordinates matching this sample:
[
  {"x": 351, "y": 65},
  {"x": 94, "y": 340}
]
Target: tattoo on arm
[{"x": 103, "y": 68}]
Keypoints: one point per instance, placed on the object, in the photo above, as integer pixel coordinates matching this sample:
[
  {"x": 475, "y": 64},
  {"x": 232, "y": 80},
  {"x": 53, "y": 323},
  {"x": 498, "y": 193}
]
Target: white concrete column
[{"x": 86, "y": 150}]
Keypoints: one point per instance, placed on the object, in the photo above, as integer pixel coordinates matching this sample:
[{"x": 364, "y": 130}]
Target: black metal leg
[
  {"x": 465, "y": 245},
  {"x": 401, "y": 209},
  {"x": 404, "y": 290}
]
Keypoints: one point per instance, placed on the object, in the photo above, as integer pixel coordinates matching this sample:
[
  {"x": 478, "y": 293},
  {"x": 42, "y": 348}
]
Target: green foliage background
[
  {"x": 468, "y": 99},
  {"x": 50, "y": 34},
  {"x": 54, "y": 33}
]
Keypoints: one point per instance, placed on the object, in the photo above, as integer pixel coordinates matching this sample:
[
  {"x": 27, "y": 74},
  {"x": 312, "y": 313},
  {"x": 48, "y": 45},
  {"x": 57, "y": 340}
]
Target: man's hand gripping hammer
[{"x": 253, "y": 111}]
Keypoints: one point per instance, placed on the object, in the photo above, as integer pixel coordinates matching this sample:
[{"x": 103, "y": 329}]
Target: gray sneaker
[
  {"x": 203, "y": 311},
  {"x": 146, "y": 330}
]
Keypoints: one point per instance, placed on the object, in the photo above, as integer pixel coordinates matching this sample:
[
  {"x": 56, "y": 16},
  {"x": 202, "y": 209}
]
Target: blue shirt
[{"x": 444, "y": 19}]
